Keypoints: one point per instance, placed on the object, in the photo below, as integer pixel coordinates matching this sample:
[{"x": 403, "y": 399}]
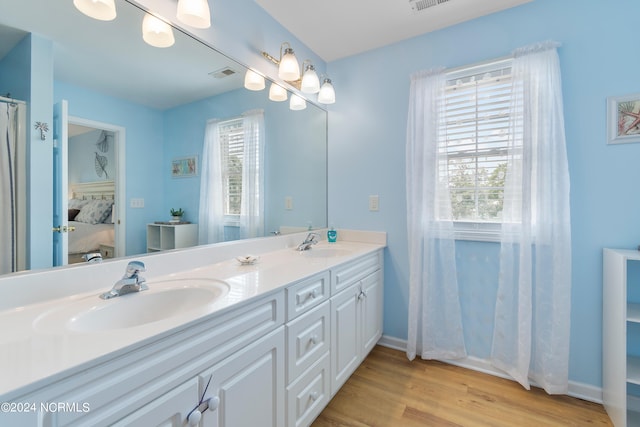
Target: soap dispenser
[{"x": 332, "y": 235}]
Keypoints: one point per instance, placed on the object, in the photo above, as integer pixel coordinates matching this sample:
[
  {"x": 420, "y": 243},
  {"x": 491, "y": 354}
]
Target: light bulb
[
  {"x": 310, "y": 82},
  {"x": 277, "y": 93},
  {"x": 156, "y": 32},
  {"x": 327, "y": 94},
  {"x": 103, "y": 10},
  {"x": 289, "y": 70},
  {"x": 194, "y": 13},
  {"x": 253, "y": 81}
]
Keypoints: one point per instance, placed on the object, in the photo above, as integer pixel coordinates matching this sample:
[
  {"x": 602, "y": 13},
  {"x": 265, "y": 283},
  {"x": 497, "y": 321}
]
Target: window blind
[
  {"x": 232, "y": 154},
  {"x": 474, "y": 134}
]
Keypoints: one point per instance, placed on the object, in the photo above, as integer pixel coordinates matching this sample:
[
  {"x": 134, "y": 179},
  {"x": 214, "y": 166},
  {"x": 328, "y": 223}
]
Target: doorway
[{"x": 96, "y": 171}]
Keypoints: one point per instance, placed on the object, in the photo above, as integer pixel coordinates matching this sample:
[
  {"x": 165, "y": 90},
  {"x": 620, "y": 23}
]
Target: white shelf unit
[
  {"x": 161, "y": 237},
  {"x": 621, "y": 337}
]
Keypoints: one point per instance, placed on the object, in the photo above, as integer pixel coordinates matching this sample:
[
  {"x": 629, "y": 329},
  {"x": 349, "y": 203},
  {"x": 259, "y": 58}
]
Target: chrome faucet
[
  {"x": 312, "y": 239},
  {"x": 130, "y": 282}
]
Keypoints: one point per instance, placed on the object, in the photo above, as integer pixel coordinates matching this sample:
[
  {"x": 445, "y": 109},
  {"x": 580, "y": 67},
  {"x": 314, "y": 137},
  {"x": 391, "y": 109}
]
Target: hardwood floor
[{"x": 388, "y": 390}]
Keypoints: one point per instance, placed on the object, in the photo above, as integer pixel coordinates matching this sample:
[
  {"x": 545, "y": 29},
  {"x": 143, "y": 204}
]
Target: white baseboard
[{"x": 576, "y": 389}]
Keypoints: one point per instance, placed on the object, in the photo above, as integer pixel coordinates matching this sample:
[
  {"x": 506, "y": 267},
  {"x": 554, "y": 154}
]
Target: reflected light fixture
[
  {"x": 277, "y": 93},
  {"x": 310, "y": 81},
  {"x": 195, "y": 13},
  {"x": 327, "y": 94},
  {"x": 253, "y": 80},
  {"x": 102, "y": 10},
  {"x": 156, "y": 32},
  {"x": 297, "y": 103}
]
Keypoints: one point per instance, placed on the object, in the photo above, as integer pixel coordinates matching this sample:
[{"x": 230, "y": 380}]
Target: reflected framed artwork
[
  {"x": 184, "y": 167},
  {"x": 623, "y": 119}
]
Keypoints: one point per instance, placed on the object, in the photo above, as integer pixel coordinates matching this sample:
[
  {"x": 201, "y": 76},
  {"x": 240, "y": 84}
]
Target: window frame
[
  {"x": 230, "y": 219},
  {"x": 484, "y": 231}
]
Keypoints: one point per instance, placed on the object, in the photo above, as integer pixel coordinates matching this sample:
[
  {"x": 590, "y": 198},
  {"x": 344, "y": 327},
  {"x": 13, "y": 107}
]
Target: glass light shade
[
  {"x": 310, "y": 81},
  {"x": 277, "y": 93},
  {"x": 194, "y": 13},
  {"x": 289, "y": 70},
  {"x": 327, "y": 94},
  {"x": 253, "y": 80},
  {"x": 156, "y": 32},
  {"x": 296, "y": 103},
  {"x": 103, "y": 10}
]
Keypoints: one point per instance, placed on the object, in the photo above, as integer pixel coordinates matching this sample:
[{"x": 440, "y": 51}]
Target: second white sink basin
[{"x": 163, "y": 300}]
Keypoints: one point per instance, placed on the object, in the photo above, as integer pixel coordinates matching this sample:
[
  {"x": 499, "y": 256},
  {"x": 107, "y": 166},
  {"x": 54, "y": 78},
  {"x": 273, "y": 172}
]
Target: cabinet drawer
[
  {"x": 308, "y": 396},
  {"x": 345, "y": 275},
  {"x": 307, "y": 340},
  {"x": 307, "y": 294}
]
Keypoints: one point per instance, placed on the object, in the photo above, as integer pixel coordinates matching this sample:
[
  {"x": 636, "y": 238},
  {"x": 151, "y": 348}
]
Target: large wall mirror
[{"x": 137, "y": 121}]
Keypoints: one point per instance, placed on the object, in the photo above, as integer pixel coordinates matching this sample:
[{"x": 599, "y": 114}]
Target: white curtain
[
  {"x": 211, "y": 212},
  {"x": 252, "y": 201},
  {"x": 532, "y": 318},
  {"x": 435, "y": 322},
  {"x": 8, "y": 229}
]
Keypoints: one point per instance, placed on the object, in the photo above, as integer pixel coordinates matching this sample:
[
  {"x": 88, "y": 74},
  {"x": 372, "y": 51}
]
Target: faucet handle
[{"x": 133, "y": 268}]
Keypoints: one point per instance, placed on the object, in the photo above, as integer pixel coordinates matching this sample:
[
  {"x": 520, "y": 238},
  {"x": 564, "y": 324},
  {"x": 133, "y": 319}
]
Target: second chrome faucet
[{"x": 130, "y": 282}]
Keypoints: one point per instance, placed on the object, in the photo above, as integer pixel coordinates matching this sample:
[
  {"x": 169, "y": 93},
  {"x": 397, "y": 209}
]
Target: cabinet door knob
[
  {"x": 194, "y": 417},
  {"x": 313, "y": 396},
  {"x": 214, "y": 402},
  {"x": 313, "y": 339}
]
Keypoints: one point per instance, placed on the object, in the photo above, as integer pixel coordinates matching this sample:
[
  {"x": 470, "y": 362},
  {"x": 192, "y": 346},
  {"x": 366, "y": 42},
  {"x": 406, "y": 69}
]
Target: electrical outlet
[
  {"x": 288, "y": 203},
  {"x": 374, "y": 203},
  {"x": 136, "y": 203}
]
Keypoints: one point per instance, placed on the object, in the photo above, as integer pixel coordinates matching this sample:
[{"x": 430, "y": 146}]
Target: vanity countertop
[{"x": 31, "y": 356}]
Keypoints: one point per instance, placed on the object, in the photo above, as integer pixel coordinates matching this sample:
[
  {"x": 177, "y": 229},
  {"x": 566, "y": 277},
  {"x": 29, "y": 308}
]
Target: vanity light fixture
[
  {"x": 277, "y": 93},
  {"x": 102, "y": 10},
  {"x": 297, "y": 103},
  {"x": 195, "y": 13},
  {"x": 253, "y": 80},
  {"x": 156, "y": 32},
  {"x": 310, "y": 81},
  {"x": 327, "y": 94}
]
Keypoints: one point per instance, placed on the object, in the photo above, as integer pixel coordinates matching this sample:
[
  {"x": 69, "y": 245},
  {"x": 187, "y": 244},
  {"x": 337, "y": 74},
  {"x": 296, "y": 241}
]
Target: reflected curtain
[
  {"x": 532, "y": 318},
  {"x": 435, "y": 321},
  {"x": 211, "y": 213},
  {"x": 252, "y": 199},
  {"x": 8, "y": 202}
]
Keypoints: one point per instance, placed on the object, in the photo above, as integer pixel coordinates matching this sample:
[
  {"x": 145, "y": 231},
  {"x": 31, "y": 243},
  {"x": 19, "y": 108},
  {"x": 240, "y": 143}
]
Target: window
[
  {"x": 231, "y": 137},
  {"x": 475, "y": 135}
]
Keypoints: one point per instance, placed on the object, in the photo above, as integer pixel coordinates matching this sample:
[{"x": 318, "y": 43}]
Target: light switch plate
[{"x": 374, "y": 203}]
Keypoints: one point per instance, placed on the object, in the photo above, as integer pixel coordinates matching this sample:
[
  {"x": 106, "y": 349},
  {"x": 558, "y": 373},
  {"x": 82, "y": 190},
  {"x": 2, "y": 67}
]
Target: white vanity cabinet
[
  {"x": 162, "y": 381},
  {"x": 356, "y": 315},
  {"x": 621, "y": 336}
]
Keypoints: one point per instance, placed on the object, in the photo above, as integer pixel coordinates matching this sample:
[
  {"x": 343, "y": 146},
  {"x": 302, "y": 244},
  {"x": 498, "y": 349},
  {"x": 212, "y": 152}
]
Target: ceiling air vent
[
  {"x": 222, "y": 73},
  {"x": 420, "y": 5}
]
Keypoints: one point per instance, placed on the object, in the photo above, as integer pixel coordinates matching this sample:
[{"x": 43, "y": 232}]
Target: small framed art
[
  {"x": 623, "y": 119},
  {"x": 184, "y": 167}
]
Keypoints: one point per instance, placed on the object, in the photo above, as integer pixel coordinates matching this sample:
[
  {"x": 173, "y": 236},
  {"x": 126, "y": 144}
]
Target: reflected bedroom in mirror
[{"x": 130, "y": 132}]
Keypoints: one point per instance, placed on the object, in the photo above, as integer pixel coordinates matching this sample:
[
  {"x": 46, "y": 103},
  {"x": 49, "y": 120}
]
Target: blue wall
[{"x": 367, "y": 141}]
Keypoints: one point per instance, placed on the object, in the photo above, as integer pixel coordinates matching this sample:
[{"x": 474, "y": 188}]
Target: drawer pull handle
[
  {"x": 313, "y": 396},
  {"x": 313, "y": 339}
]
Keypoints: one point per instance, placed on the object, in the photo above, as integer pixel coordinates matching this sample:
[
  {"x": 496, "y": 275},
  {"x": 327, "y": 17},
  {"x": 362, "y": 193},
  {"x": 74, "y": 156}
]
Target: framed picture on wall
[
  {"x": 623, "y": 119},
  {"x": 184, "y": 167}
]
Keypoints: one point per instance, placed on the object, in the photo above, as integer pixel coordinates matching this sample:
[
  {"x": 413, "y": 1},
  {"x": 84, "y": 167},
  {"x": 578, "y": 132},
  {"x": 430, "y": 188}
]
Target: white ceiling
[{"x": 335, "y": 29}]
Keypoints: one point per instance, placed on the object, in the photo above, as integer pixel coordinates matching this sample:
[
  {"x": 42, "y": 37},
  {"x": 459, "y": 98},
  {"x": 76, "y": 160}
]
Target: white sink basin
[
  {"x": 164, "y": 300},
  {"x": 325, "y": 252}
]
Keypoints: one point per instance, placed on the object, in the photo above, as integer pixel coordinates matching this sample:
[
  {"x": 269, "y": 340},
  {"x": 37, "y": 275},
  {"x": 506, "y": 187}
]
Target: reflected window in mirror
[{"x": 232, "y": 184}]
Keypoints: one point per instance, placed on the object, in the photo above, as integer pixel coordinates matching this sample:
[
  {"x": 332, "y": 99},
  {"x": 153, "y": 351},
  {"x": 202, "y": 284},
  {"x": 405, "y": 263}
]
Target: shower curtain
[{"x": 8, "y": 196}]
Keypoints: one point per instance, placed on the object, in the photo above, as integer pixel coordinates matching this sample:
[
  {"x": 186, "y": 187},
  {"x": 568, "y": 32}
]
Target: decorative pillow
[
  {"x": 77, "y": 203},
  {"x": 73, "y": 213},
  {"x": 109, "y": 218},
  {"x": 95, "y": 212}
]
